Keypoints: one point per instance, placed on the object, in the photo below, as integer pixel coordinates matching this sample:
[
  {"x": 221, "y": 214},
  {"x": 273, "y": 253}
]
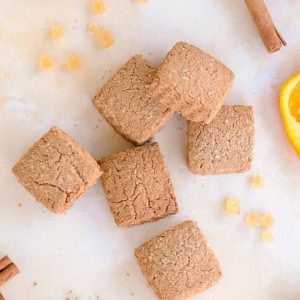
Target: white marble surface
[{"x": 84, "y": 251}]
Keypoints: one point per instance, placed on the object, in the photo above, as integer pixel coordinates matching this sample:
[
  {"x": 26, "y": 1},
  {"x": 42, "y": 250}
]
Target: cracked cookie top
[
  {"x": 56, "y": 170},
  {"x": 137, "y": 185},
  {"x": 178, "y": 263}
]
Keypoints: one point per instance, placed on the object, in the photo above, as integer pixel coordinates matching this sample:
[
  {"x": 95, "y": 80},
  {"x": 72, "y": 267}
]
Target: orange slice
[{"x": 290, "y": 110}]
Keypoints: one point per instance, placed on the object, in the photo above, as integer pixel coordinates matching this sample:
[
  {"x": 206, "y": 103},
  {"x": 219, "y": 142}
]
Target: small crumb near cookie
[
  {"x": 257, "y": 181},
  {"x": 127, "y": 274},
  {"x": 267, "y": 236},
  {"x": 267, "y": 221},
  {"x": 253, "y": 219},
  {"x": 98, "y": 7},
  {"x": 45, "y": 62},
  {"x": 57, "y": 32},
  {"x": 232, "y": 206},
  {"x": 132, "y": 294},
  {"x": 20, "y": 205},
  {"x": 35, "y": 283},
  {"x": 74, "y": 63}
]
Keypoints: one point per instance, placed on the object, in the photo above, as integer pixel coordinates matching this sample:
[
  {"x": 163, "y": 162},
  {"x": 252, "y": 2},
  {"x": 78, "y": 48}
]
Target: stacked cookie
[{"x": 137, "y": 102}]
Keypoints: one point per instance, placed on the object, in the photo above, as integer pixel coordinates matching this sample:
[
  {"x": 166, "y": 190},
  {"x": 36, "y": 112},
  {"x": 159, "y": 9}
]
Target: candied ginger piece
[
  {"x": 98, "y": 7},
  {"x": 74, "y": 63},
  {"x": 45, "y": 62},
  {"x": 253, "y": 219},
  {"x": 105, "y": 38},
  {"x": 257, "y": 181},
  {"x": 267, "y": 236},
  {"x": 93, "y": 28},
  {"x": 267, "y": 221},
  {"x": 103, "y": 35},
  {"x": 232, "y": 206},
  {"x": 57, "y": 32}
]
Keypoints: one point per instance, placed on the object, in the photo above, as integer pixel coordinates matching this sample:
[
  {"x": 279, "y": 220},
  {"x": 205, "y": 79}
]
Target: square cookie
[
  {"x": 56, "y": 170},
  {"x": 223, "y": 146},
  {"x": 126, "y": 104},
  {"x": 178, "y": 263},
  {"x": 192, "y": 83},
  {"x": 138, "y": 186}
]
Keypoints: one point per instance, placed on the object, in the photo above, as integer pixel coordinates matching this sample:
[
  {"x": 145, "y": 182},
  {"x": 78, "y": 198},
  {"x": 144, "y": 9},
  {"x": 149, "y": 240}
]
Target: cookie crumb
[
  {"x": 74, "y": 63},
  {"x": 35, "y": 283},
  {"x": 267, "y": 236},
  {"x": 267, "y": 221},
  {"x": 132, "y": 294},
  {"x": 45, "y": 62},
  {"x": 257, "y": 181},
  {"x": 20, "y": 205},
  {"x": 253, "y": 219},
  {"x": 232, "y": 206},
  {"x": 127, "y": 274},
  {"x": 57, "y": 32},
  {"x": 98, "y": 7}
]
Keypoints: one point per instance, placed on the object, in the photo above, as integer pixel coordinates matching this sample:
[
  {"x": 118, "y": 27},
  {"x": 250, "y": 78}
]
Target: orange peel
[{"x": 290, "y": 110}]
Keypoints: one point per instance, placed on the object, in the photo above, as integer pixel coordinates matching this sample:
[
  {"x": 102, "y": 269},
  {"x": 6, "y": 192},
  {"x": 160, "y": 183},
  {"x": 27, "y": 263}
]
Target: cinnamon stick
[
  {"x": 1, "y": 297},
  {"x": 4, "y": 262},
  {"x": 266, "y": 28},
  {"x": 8, "y": 270},
  {"x": 8, "y": 273}
]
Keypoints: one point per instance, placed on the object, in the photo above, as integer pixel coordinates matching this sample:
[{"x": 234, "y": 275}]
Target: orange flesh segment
[
  {"x": 294, "y": 102},
  {"x": 289, "y": 107}
]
